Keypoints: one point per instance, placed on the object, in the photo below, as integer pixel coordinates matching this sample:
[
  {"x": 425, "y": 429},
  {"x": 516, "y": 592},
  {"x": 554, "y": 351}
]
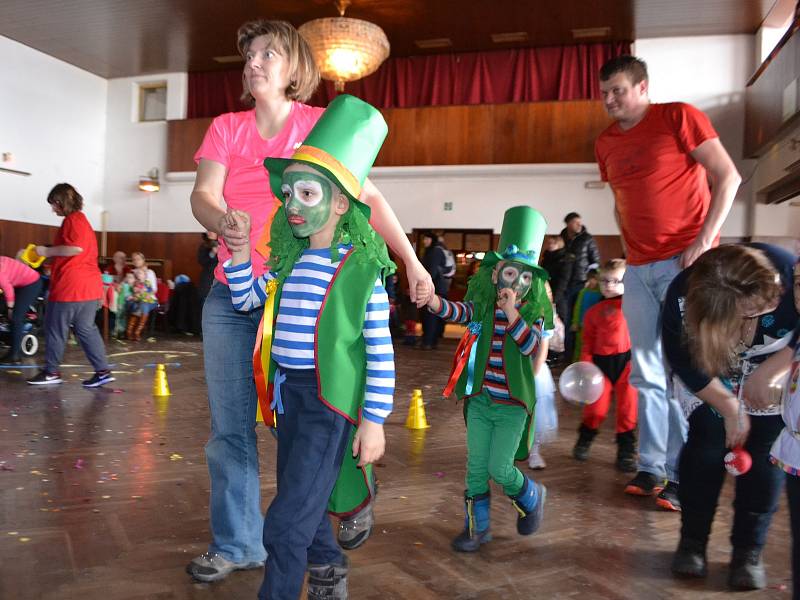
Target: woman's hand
[
  {"x": 369, "y": 442},
  {"x": 762, "y": 389},
  {"x": 420, "y": 284},
  {"x": 43, "y": 251},
  {"x": 235, "y": 239},
  {"x": 737, "y": 427}
]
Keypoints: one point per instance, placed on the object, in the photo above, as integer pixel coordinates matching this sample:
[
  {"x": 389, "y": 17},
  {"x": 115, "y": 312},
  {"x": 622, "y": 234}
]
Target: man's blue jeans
[
  {"x": 235, "y": 504},
  {"x": 662, "y": 426}
]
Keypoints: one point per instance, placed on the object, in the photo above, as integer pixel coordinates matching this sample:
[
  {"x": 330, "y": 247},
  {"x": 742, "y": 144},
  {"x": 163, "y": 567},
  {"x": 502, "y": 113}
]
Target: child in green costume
[
  {"x": 506, "y": 309},
  {"x": 326, "y": 350}
]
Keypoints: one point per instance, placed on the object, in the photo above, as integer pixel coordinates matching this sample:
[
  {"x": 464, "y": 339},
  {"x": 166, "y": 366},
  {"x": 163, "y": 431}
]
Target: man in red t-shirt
[{"x": 673, "y": 185}]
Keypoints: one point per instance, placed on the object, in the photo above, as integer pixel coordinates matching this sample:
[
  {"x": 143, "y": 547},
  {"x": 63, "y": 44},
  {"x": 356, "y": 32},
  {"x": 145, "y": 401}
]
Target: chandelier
[{"x": 345, "y": 49}]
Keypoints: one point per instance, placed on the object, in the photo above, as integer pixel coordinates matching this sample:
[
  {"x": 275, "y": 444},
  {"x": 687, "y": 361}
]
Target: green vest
[
  {"x": 519, "y": 376},
  {"x": 341, "y": 366}
]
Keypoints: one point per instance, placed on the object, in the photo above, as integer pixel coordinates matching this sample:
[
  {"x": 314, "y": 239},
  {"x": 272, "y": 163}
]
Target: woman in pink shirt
[
  {"x": 279, "y": 76},
  {"x": 21, "y": 286}
]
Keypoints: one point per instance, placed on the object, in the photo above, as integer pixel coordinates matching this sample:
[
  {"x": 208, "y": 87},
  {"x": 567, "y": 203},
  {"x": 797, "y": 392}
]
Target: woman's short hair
[
  {"x": 137, "y": 253},
  {"x": 303, "y": 72},
  {"x": 66, "y": 198},
  {"x": 721, "y": 284}
]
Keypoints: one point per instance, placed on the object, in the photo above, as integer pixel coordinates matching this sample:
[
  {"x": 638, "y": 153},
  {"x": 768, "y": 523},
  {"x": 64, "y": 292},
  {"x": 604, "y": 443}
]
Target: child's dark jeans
[{"x": 312, "y": 440}]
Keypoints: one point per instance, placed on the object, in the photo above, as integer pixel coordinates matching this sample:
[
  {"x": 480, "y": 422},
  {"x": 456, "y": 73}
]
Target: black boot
[
  {"x": 585, "y": 438},
  {"x": 328, "y": 582},
  {"x": 689, "y": 559},
  {"x": 626, "y": 452},
  {"x": 747, "y": 570},
  {"x": 476, "y": 524}
]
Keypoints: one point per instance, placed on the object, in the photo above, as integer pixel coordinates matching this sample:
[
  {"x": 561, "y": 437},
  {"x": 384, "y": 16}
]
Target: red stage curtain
[{"x": 498, "y": 77}]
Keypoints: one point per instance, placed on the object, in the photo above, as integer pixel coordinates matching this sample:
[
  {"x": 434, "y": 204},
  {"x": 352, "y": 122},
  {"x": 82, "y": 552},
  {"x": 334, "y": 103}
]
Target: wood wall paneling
[
  {"x": 183, "y": 139},
  {"x": 178, "y": 250},
  {"x": 536, "y": 132}
]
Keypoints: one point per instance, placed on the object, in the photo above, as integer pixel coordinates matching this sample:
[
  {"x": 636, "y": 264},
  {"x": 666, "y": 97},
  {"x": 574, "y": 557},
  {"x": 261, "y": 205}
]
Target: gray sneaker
[
  {"x": 355, "y": 530},
  {"x": 214, "y": 567}
]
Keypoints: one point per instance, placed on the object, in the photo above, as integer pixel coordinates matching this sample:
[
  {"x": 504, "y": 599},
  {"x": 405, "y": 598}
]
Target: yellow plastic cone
[
  {"x": 160, "y": 385},
  {"x": 416, "y": 412}
]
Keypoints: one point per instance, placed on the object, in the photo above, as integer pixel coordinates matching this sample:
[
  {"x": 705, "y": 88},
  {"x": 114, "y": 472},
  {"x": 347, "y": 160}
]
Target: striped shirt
[
  {"x": 295, "y": 327},
  {"x": 527, "y": 338}
]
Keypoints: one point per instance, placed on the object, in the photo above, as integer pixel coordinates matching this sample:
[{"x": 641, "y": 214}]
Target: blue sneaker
[{"x": 530, "y": 506}]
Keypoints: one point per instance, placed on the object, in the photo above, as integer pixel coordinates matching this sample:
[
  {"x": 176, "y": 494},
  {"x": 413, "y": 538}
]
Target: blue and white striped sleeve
[
  {"x": 246, "y": 293},
  {"x": 379, "y": 394},
  {"x": 455, "y": 312}
]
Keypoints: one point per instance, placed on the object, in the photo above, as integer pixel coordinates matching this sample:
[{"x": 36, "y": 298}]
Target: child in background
[
  {"x": 546, "y": 413},
  {"x": 586, "y": 299},
  {"x": 124, "y": 292},
  {"x": 141, "y": 301},
  {"x": 326, "y": 358},
  {"x": 607, "y": 344}
]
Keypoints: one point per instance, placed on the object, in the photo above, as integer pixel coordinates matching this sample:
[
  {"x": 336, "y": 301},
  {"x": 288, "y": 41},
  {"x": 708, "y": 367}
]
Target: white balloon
[{"x": 581, "y": 383}]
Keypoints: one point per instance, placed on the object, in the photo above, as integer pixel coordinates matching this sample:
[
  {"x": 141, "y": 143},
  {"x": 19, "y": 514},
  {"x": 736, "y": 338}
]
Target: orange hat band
[{"x": 319, "y": 157}]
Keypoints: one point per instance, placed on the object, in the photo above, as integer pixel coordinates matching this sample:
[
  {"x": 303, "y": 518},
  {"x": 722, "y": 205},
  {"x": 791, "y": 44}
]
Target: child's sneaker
[
  {"x": 98, "y": 379},
  {"x": 535, "y": 460},
  {"x": 328, "y": 582},
  {"x": 355, "y": 530},
  {"x": 45, "y": 378},
  {"x": 644, "y": 484}
]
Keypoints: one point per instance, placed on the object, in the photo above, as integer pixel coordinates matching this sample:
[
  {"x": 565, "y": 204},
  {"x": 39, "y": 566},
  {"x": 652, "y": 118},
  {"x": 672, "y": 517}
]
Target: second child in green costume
[{"x": 506, "y": 308}]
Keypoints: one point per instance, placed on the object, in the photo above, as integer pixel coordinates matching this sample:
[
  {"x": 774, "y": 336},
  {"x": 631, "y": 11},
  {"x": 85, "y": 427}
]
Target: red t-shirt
[
  {"x": 661, "y": 192},
  {"x": 605, "y": 330},
  {"x": 76, "y": 278}
]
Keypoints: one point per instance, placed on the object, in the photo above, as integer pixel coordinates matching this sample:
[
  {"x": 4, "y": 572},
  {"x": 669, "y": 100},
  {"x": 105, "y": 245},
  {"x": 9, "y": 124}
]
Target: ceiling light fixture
[
  {"x": 149, "y": 182},
  {"x": 345, "y": 49}
]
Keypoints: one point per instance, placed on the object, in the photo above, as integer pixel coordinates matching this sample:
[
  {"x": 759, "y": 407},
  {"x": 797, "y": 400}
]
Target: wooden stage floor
[{"x": 104, "y": 495}]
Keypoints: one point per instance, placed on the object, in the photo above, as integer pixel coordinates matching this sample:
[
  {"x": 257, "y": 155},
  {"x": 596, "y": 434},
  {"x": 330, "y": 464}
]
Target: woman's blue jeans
[{"x": 235, "y": 504}]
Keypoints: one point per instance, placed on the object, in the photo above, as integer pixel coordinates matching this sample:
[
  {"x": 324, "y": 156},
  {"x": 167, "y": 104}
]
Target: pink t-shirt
[
  {"x": 233, "y": 140},
  {"x": 14, "y": 273}
]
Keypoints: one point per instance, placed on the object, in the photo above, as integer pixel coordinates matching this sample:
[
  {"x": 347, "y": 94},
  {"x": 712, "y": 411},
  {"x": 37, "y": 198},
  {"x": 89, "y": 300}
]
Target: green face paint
[
  {"x": 307, "y": 198},
  {"x": 516, "y": 276}
]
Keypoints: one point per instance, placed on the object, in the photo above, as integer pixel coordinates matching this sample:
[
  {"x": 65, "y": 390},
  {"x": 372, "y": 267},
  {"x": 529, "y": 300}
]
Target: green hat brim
[{"x": 276, "y": 166}]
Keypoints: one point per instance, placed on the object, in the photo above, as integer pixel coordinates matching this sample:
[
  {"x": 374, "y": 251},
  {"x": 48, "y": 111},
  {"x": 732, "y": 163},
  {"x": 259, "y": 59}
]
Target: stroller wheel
[{"x": 29, "y": 344}]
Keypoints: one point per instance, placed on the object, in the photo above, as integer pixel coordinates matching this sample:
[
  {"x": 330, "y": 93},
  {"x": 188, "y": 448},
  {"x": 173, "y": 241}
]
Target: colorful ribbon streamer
[
  {"x": 464, "y": 354},
  {"x": 261, "y": 356}
]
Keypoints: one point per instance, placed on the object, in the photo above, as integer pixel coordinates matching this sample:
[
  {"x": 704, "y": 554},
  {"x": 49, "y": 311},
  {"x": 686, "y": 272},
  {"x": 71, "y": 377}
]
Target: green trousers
[{"x": 493, "y": 435}]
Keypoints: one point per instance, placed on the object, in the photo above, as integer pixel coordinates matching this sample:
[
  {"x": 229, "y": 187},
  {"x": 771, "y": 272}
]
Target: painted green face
[
  {"x": 515, "y": 275},
  {"x": 307, "y": 198}
]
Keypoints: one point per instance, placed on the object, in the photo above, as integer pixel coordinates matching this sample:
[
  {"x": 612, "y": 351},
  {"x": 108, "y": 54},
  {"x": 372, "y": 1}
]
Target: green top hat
[
  {"x": 520, "y": 239},
  {"x": 342, "y": 145}
]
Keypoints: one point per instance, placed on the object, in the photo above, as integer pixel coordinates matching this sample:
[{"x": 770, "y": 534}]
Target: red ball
[{"x": 738, "y": 461}]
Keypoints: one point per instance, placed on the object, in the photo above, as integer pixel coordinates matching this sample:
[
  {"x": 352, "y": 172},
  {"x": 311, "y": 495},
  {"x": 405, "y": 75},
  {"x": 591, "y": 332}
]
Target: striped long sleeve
[
  {"x": 455, "y": 312},
  {"x": 246, "y": 293},
  {"x": 527, "y": 338},
  {"x": 380, "y": 357}
]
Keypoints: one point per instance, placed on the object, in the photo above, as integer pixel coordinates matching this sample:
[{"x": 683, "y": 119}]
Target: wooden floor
[{"x": 104, "y": 494}]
